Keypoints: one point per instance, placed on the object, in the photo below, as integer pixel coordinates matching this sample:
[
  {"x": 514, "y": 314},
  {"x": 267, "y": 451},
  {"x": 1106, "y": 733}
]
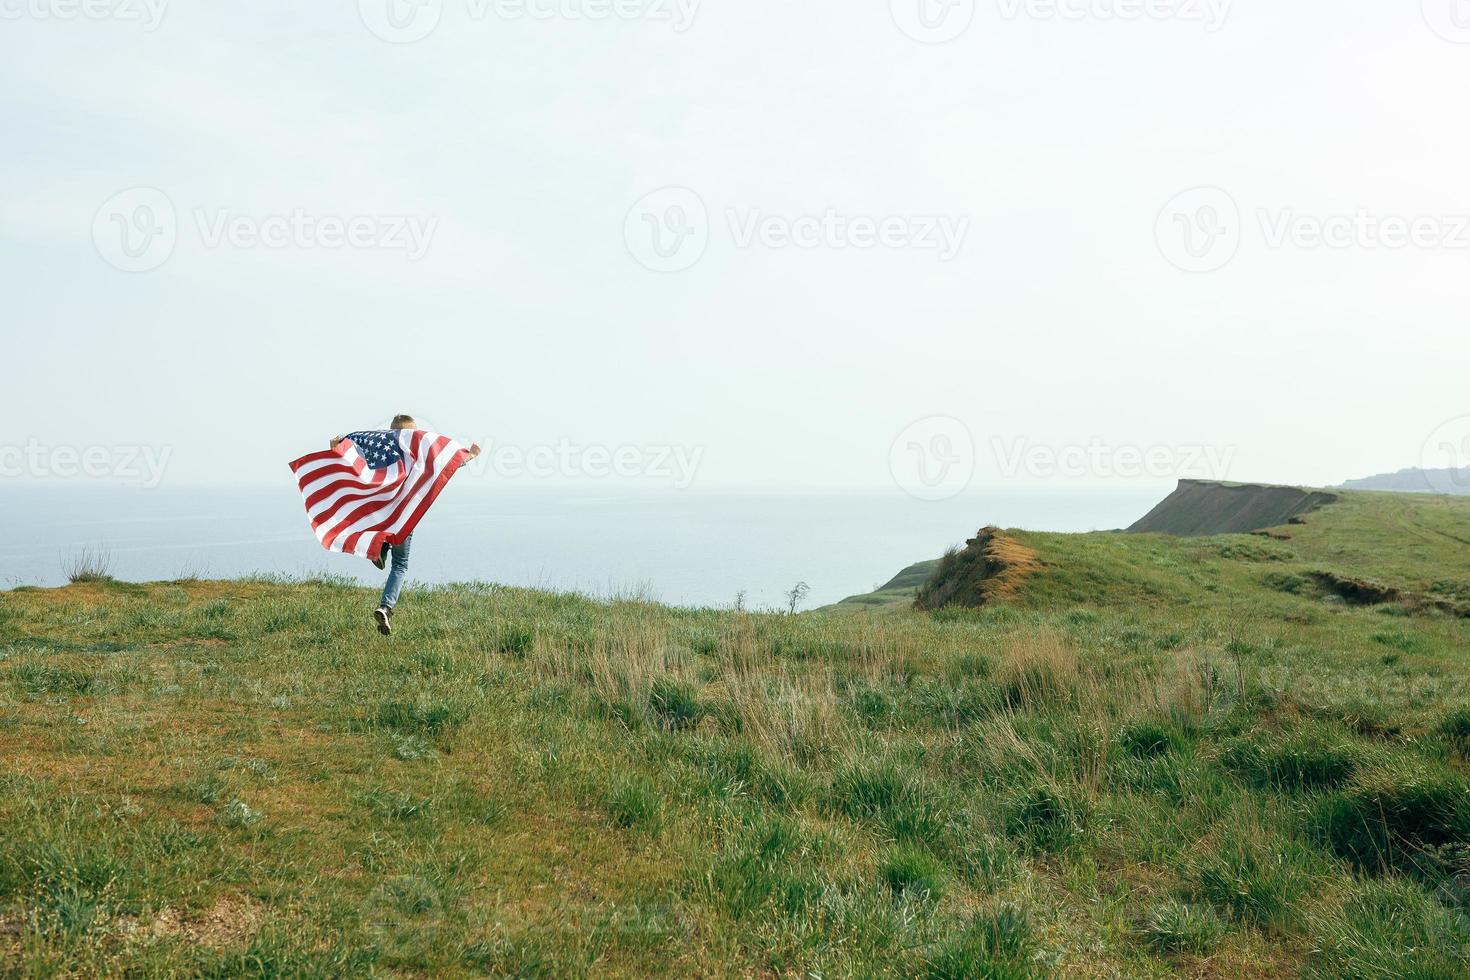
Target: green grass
[{"x": 1159, "y": 760}]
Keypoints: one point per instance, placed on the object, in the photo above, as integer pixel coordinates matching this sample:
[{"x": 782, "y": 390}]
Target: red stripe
[
  {"x": 369, "y": 488},
  {"x": 450, "y": 468},
  {"x": 363, "y": 484},
  {"x": 296, "y": 464},
  {"x": 430, "y": 473},
  {"x": 344, "y": 515},
  {"x": 433, "y": 476},
  {"x": 400, "y": 496}
]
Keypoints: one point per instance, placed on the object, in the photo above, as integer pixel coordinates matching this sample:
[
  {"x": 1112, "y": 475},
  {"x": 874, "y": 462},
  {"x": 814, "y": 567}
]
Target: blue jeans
[{"x": 398, "y": 574}]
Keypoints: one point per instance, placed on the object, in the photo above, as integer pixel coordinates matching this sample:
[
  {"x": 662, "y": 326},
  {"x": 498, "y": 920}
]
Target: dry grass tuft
[
  {"x": 794, "y": 718},
  {"x": 1041, "y": 669}
]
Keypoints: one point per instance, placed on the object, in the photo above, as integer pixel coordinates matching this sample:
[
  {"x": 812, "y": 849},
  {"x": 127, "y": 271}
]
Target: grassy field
[{"x": 1165, "y": 757}]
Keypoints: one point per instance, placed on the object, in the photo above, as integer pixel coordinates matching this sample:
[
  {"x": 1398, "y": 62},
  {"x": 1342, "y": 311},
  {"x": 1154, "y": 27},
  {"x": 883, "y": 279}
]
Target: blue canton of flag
[{"x": 378, "y": 449}]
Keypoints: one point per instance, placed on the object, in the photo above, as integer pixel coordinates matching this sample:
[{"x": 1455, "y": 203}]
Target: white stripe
[
  {"x": 330, "y": 514},
  {"x": 348, "y": 455},
  {"x": 377, "y": 516},
  {"x": 327, "y": 504},
  {"x": 446, "y": 453}
]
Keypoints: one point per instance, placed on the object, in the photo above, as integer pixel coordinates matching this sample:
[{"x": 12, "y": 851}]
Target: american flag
[{"x": 375, "y": 487}]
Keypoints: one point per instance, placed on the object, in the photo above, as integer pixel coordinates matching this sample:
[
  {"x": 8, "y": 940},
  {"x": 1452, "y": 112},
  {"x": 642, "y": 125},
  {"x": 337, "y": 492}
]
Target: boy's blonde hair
[{"x": 403, "y": 422}]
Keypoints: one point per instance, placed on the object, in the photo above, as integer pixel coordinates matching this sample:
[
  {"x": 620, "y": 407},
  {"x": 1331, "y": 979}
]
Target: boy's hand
[
  {"x": 336, "y": 440},
  {"x": 474, "y": 450}
]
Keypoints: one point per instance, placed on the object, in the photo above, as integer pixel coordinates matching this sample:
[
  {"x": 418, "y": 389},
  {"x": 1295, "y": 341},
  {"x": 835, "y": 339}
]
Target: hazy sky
[{"x": 881, "y": 230}]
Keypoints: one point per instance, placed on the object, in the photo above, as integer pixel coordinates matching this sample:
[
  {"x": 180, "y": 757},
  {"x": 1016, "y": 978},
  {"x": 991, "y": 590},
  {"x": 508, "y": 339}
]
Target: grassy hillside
[
  {"x": 1163, "y": 757},
  {"x": 1418, "y": 544}
]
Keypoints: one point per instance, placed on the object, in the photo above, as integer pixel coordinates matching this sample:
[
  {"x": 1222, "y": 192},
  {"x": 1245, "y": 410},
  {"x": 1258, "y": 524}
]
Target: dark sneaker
[
  {"x": 382, "y": 560},
  {"x": 384, "y": 617}
]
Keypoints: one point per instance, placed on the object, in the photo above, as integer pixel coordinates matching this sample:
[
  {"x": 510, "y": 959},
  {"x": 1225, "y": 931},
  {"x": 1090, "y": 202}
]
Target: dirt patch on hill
[
  {"x": 1358, "y": 592},
  {"x": 992, "y": 566},
  {"x": 1363, "y": 592},
  {"x": 230, "y": 922},
  {"x": 1200, "y": 507}
]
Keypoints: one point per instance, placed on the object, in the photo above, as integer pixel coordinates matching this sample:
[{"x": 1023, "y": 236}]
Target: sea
[{"x": 694, "y": 547}]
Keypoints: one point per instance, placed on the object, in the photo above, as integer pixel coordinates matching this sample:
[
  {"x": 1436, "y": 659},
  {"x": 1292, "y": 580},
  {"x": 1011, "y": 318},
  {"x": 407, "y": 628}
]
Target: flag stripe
[
  {"x": 391, "y": 523},
  {"x": 355, "y": 509},
  {"x": 370, "y": 513}
]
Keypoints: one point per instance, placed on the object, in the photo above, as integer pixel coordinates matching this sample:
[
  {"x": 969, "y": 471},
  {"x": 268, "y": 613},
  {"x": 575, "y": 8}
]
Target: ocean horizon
[{"x": 697, "y": 547}]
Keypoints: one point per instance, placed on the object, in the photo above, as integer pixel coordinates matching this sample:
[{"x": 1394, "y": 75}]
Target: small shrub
[
  {"x": 1402, "y": 642},
  {"x": 429, "y": 717},
  {"x": 1255, "y": 884},
  {"x": 996, "y": 946},
  {"x": 1147, "y": 740},
  {"x": 909, "y": 870},
  {"x": 1176, "y": 927},
  {"x": 1455, "y": 729},
  {"x": 674, "y": 704},
  {"x": 637, "y": 805},
  {"x": 237, "y": 814},
  {"x": 972, "y": 665},
  {"x": 88, "y": 566},
  {"x": 1043, "y": 818},
  {"x": 1400, "y": 824},
  {"x": 54, "y": 680},
  {"x": 1289, "y": 582},
  {"x": 1391, "y": 929},
  {"x": 957, "y": 705},
  {"x": 1039, "y": 673},
  {"x": 1296, "y": 762},
  {"x": 395, "y": 806},
  {"x": 882, "y": 793},
  {"x": 763, "y": 869},
  {"x": 516, "y": 640},
  {"x": 412, "y": 748}
]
